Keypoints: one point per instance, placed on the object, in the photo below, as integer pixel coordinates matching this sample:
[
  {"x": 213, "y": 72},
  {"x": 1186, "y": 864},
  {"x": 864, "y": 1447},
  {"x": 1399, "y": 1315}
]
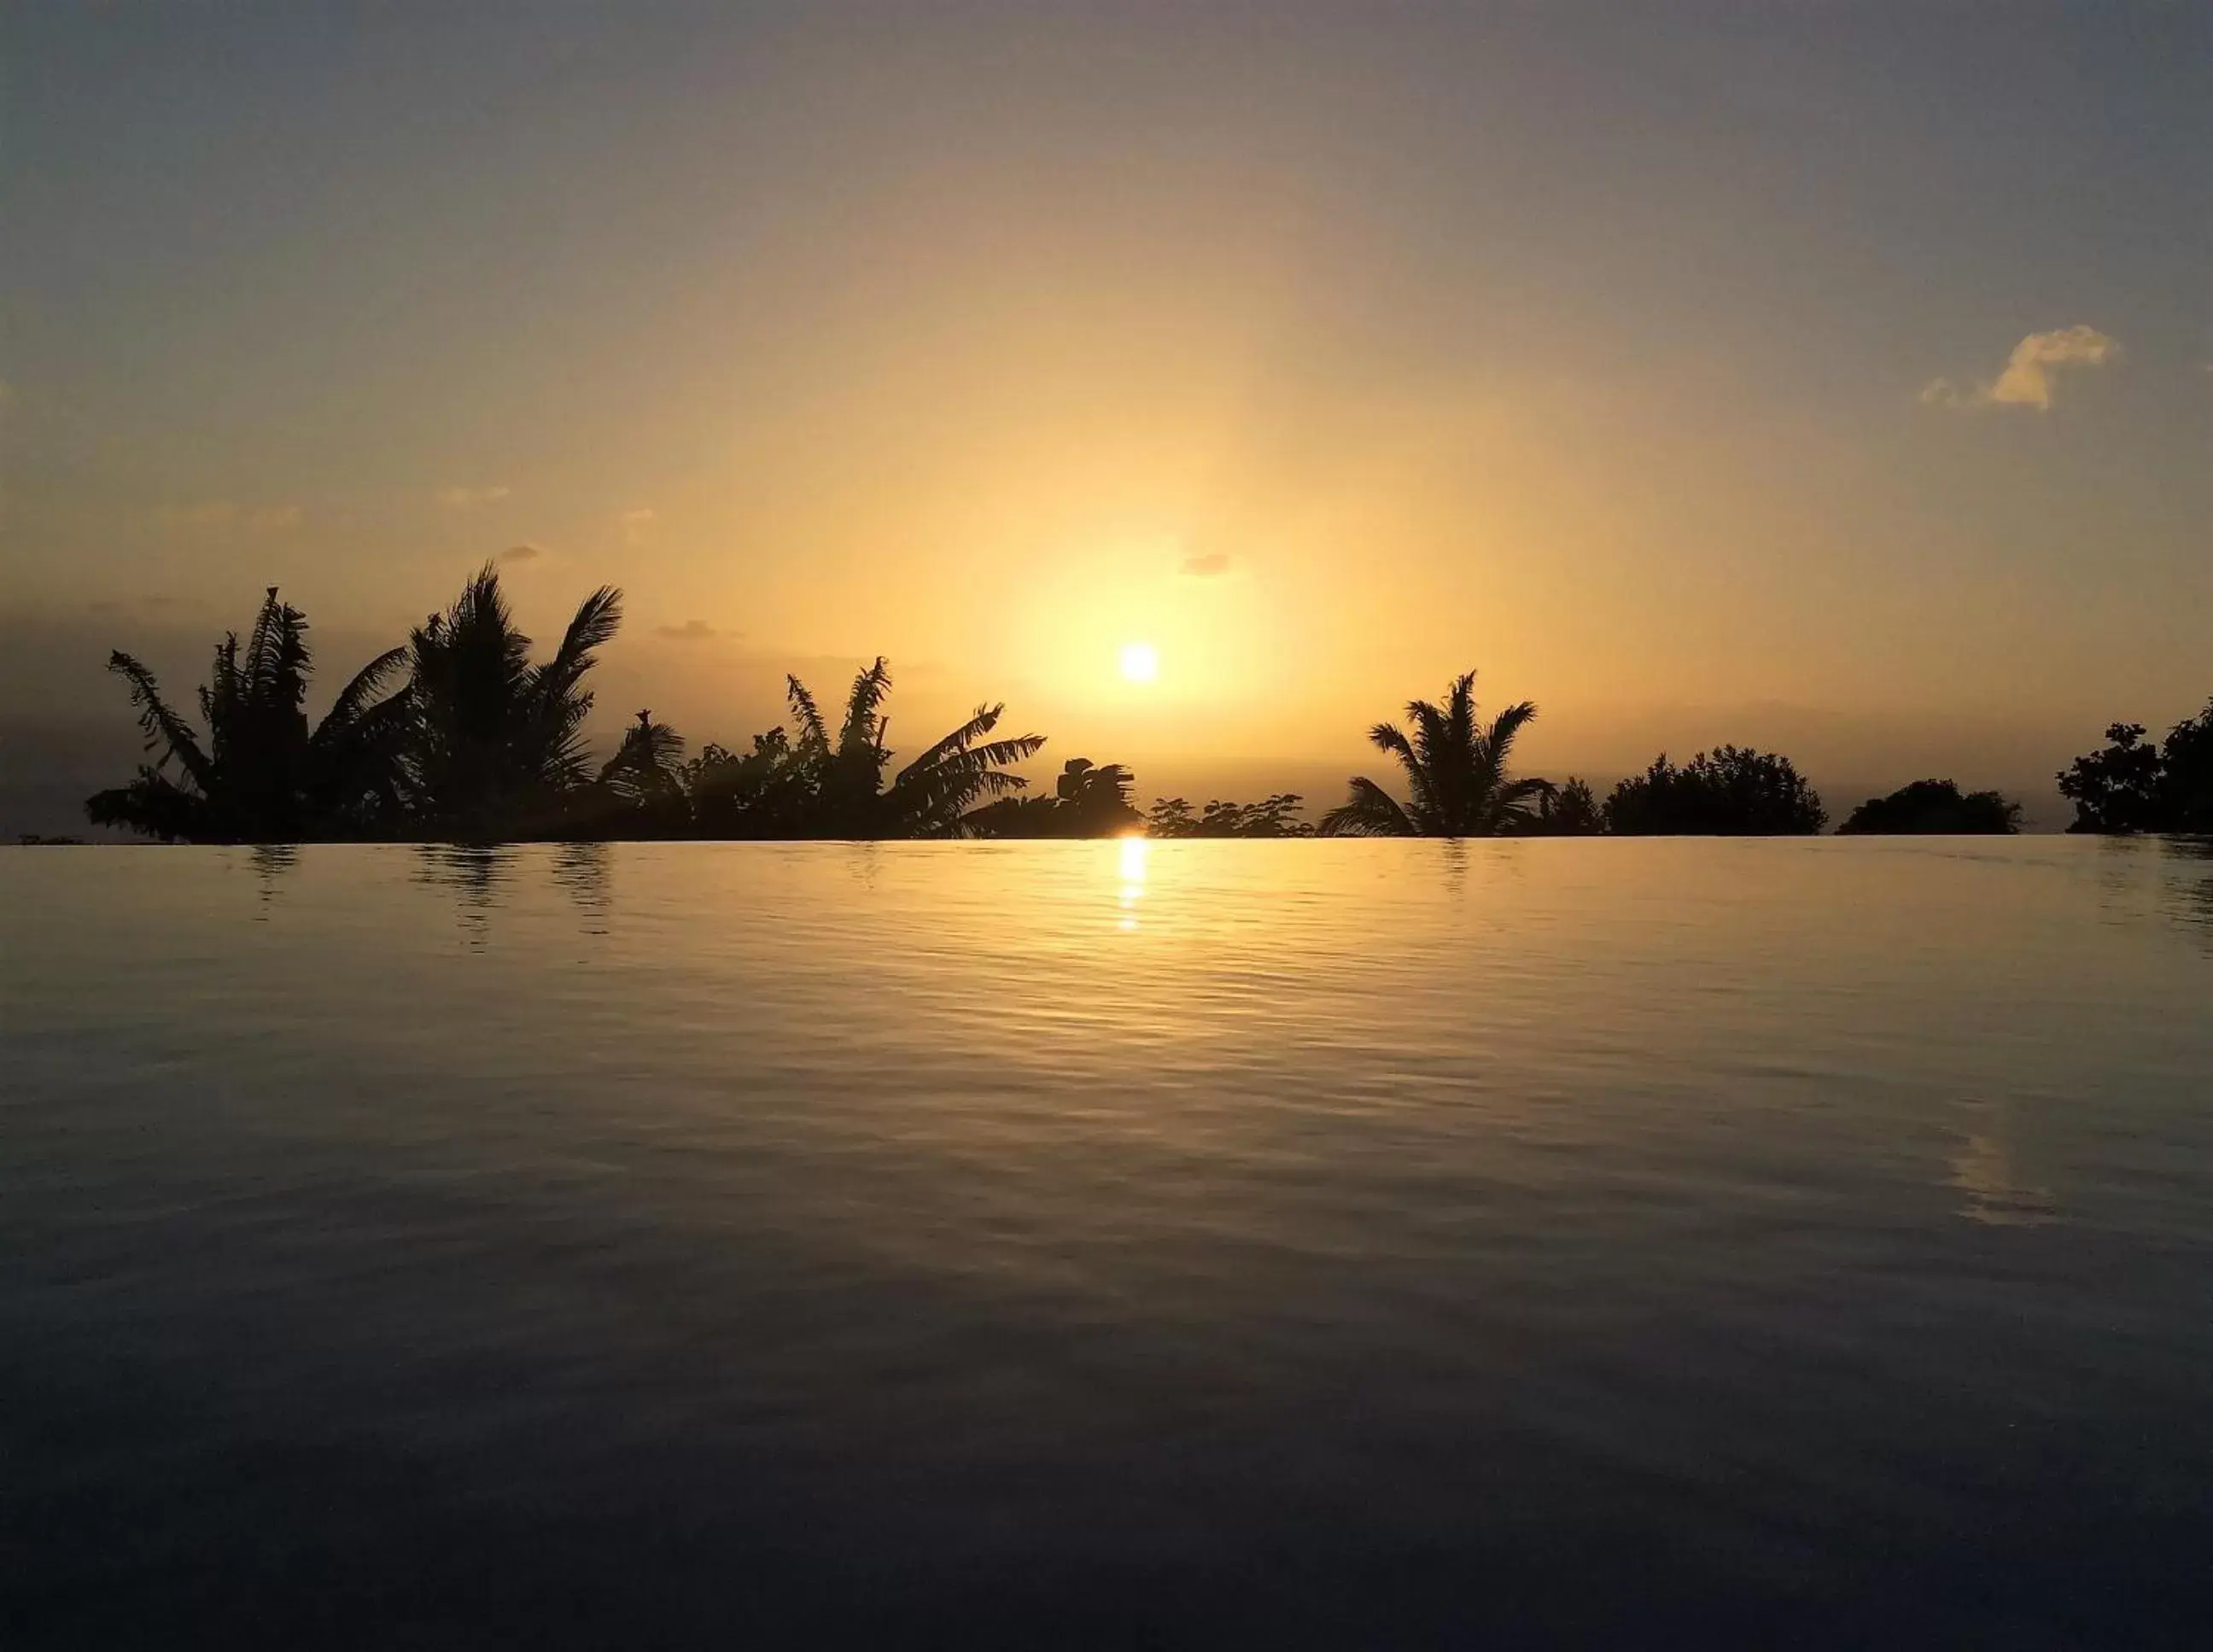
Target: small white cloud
[
  {"x": 638, "y": 525},
  {"x": 467, "y": 498},
  {"x": 2027, "y": 380},
  {"x": 520, "y": 553}
]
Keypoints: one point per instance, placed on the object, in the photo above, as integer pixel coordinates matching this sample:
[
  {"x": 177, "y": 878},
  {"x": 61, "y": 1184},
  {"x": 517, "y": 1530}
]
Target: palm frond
[
  {"x": 277, "y": 659},
  {"x": 860, "y": 730},
  {"x": 354, "y": 698},
  {"x": 597, "y": 618},
  {"x": 1460, "y": 712},
  {"x": 986, "y": 719},
  {"x": 992, "y": 754},
  {"x": 805, "y": 712},
  {"x": 154, "y": 806},
  {"x": 1369, "y": 812},
  {"x": 165, "y": 731},
  {"x": 1499, "y": 738}
]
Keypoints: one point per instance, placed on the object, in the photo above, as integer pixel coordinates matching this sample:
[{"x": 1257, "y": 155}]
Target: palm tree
[
  {"x": 262, "y": 776},
  {"x": 928, "y": 798},
  {"x": 1455, "y": 775},
  {"x": 640, "y": 790},
  {"x": 496, "y": 743}
]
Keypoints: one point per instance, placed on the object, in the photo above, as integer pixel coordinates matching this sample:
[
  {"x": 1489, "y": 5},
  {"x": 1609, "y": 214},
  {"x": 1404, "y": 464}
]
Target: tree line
[{"x": 459, "y": 734}]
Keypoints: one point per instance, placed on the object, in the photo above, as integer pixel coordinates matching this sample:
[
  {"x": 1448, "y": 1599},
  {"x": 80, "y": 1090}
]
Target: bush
[
  {"x": 1734, "y": 792},
  {"x": 1929, "y": 807}
]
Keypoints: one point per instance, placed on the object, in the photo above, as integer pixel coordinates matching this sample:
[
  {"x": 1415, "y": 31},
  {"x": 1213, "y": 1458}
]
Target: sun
[{"x": 1141, "y": 662}]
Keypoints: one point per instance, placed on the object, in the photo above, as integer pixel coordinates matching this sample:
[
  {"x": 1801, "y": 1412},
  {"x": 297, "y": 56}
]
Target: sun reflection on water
[{"x": 1133, "y": 853}]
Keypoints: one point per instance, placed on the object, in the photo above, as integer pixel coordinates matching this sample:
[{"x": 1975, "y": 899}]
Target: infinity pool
[{"x": 1107, "y": 1243}]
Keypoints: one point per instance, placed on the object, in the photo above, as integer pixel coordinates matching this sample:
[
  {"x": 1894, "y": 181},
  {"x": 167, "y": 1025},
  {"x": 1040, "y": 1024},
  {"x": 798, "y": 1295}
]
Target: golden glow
[
  {"x": 1134, "y": 851},
  {"x": 1141, "y": 662}
]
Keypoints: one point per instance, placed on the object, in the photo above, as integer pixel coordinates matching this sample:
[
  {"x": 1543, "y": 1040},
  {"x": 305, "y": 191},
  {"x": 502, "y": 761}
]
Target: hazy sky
[{"x": 1827, "y": 376}]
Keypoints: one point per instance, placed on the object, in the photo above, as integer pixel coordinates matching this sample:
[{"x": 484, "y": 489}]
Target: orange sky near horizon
[{"x": 1328, "y": 361}]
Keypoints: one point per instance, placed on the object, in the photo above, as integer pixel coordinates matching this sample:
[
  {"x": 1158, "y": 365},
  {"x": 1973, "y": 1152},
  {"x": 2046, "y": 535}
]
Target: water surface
[{"x": 1107, "y": 1243}]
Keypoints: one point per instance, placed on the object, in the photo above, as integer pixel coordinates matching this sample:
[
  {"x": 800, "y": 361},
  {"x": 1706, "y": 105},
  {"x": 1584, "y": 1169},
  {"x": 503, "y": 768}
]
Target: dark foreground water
[{"x": 1103, "y": 1244}]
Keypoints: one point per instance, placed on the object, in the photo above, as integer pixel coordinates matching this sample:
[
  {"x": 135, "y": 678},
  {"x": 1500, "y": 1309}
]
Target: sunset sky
[{"x": 1833, "y": 377}]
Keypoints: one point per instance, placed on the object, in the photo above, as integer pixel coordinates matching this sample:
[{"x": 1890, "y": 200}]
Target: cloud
[
  {"x": 467, "y": 498},
  {"x": 691, "y": 631},
  {"x": 638, "y": 525},
  {"x": 2027, "y": 378},
  {"x": 519, "y": 553},
  {"x": 1213, "y": 565}
]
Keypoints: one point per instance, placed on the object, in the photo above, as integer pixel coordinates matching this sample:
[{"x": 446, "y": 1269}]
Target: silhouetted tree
[
  {"x": 2186, "y": 787},
  {"x": 261, "y": 776},
  {"x": 1088, "y": 800},
  {"x": 2116, "y": 790},
  {"x": 496, "y": 747},
  {"x": 1568, "y": 811},
  {"x": 639, "y": 792},
  {"x": 1932, "y": 807},
  {"x": 1275, "y": 816},
  {"x": 765, "y": 793},
  {"x": 2138, "y": 785},
  {"x": 1734, "y": 791},
  {"x": 1455, "y": 773},
  {"x": 928, "y": 797}
]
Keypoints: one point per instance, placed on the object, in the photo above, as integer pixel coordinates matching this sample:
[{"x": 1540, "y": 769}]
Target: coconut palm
[
  {"x": 497, "y": 742},
  {"x": 261, "y": 775},
  {"x": 1456, "y": 775},
  {"x": 928, "y": 798},
  {"x": 640, "y": 790}
]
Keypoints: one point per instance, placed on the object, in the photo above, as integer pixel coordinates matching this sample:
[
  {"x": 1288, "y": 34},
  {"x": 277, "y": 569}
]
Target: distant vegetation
[
  {"x": 1731, "y": 792},
  {"x": 1089, "y": 800},
  {"x": 1931, "y": 806},
  {"x": 461, "y": 734},
  {"x": 1271, "y": 817}
]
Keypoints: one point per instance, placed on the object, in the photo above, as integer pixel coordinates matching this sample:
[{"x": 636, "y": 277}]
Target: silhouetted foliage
[
  {"x": 2186, "y": 787},
  {"x": 1733, "y": 791},
  {"x": 639, "y": 792},
  {"x": 2136, "y": 785},
  {"x": 1088, "y": 801},
  {"x": 1275, "y": 816},
  {"x": 495, "y": 747},
  {"x": 260, "y": 774},
  {"x": 1930, "y": 806},
  {"x": 928, "y": 798},
  {"x": 1455, "y": 772},
  {"x": 480, "y": 743},
  {"x": 765, "y": 793},
  {"x": 1567, "y": 811},
  {"x": 2116, "y": 790}
]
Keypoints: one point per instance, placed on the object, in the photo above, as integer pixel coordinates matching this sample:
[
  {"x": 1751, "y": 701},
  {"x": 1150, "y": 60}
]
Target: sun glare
[{"x": 1141, "y": 662}]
